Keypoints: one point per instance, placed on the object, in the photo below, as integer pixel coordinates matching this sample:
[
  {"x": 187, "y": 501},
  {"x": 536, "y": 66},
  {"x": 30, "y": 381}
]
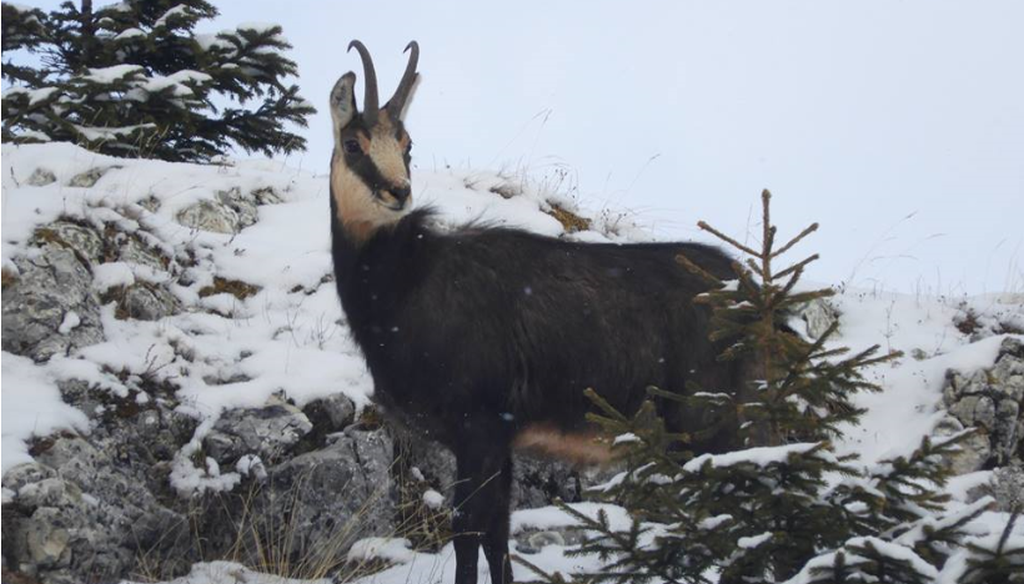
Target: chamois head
[{"x": 370, "y": 165}]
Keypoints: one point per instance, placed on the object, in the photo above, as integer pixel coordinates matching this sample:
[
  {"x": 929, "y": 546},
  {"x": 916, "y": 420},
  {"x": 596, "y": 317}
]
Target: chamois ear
[{"x": 343, "y": 104}]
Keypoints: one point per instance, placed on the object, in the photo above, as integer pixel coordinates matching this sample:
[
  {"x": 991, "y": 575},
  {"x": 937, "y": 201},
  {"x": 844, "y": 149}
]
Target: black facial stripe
[{"x": 370, "y": 174}]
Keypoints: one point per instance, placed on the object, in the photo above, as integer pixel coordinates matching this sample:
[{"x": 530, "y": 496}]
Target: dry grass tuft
[
  {"x": 237, "y": 288},
  {"x": 570, "y": 221},
  {"x": 7, "y": 278}
]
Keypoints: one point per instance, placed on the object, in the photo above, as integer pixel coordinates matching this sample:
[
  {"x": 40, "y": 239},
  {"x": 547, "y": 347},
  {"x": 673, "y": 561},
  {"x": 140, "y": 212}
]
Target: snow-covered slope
[
  {"x": 289, "y": 336},
  {"x": 284, "y": 332}
]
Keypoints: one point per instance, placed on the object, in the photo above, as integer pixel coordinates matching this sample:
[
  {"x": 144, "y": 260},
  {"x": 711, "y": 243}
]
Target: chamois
[{"x": 484, "y": 338}]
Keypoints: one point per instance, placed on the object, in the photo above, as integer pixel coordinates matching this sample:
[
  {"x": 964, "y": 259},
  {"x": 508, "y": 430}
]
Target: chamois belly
[{"x": 534, "y": 397}]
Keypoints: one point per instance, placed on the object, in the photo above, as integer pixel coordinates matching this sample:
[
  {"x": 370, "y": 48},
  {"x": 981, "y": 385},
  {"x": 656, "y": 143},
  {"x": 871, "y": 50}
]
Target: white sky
[{"x": 898, "y": 125}]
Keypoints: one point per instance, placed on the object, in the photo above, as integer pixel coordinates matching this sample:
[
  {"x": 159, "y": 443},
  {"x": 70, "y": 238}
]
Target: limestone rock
[
  {"x": 268, "y": 432},
  {"x": 231, "y": 212},
  {"x": 90, "y": 177},
  {"x": 209, "y": 216},
  {"x": 41, "y": 177},
  {"x": 148, "y": 302},
  {"x": 974, "y": 451},
  {"x": 81, "y": 513},
  {"x": 1007, "y": 487},
  {"x": 991, "y": 399},
  {"x": 328, "y": 498},
  {"x": 818, "y": 315},
  {"x": 34, "y": 307},
  {"x": 329, "y": 415},
  {"x": 84, "y": 240}
]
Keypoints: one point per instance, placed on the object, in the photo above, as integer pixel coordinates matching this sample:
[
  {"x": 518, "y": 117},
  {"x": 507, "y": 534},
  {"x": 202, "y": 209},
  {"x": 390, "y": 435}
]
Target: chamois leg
[
  {"x": 495, "y": 540},
  {"x": 483, "y": 463}
]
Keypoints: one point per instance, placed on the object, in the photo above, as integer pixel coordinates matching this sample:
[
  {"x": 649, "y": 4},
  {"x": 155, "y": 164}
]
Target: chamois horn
[
  {"x": 370, "y": 106},
  {"x": 397, "y": 103}
]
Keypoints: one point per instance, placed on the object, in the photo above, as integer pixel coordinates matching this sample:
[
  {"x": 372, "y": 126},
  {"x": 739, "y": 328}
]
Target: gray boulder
[
  {"x": 41, "y": 177},
  {"x": 48, "y": 289},
  {"x": 145, "y": 301},
  {"x": 90, "y": 177},
  {"x": 818, "y": 315},
  {"x": 86, "y": 518},
  {"x": 991, "y": 400},
  {"x": 315, "y": 505},
  {"x": 269, "y": 432},
  {"x": 230, "y": 212}
]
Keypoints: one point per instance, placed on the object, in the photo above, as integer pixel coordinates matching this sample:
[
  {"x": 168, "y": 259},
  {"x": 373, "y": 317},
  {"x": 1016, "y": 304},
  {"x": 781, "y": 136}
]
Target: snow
[
  {"x": 112, "y": 274},
  {"x": 176, "y": 81},
  {"x": 752, "y": 542},
  {"x": 117, "y": 7},
  {"x": 223, "y": 572},
  {"x": 395, "y": 550},
  {"x": 761, "y": 457},
  {"x": 41, "y": 94},
  {"x": 34, "y": 95},
  {"x": 258, "y": 27},
  {"x": 715, "y": 522},
  {"x": 625, "y": 438},
  {"x": 896, "y": 551},
  {"x": 111, "y": 74},
  {"x": 433, "y": 499},
  {"x": 251, "y": 464},
  {"x": 957, "y": 564},
  {"x": 93, "y": 134},
  {"x": 130, "y": 33},
  {"x": 31, "y": 408},
  {"x": 209, "y": 41},
  {"x": 291, "y": 336},
  {"x": 552, "y": 517},
  {"x": 179, "y": 10},
  {"x": 71, "y": 320}
]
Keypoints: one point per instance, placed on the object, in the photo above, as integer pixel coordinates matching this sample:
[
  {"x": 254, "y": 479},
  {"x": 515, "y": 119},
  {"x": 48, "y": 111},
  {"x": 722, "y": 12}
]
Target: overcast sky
[{"x": 898, "y": 125}]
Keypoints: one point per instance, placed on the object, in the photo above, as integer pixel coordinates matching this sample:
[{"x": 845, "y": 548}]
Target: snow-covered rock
[
  {"x": 48, "y": 286},
  {"x": 268, "y": 432},
  {"x": 992, "y": 400}
]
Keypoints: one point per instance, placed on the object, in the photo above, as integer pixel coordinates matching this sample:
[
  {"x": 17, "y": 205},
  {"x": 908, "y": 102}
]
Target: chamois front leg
[
  {"x": 483, "y": 460},
  {"x": 495, "y": 540}
]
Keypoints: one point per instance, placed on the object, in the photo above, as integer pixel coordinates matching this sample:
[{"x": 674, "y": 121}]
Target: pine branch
[
  {"x": 810, "y": 229},
  {"x": 727, "y": 239}
]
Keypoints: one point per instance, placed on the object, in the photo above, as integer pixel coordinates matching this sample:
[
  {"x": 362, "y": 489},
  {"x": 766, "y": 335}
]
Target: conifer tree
[
  {"x": 787, "y": 509},
  {"x": 134, "y": 79}
]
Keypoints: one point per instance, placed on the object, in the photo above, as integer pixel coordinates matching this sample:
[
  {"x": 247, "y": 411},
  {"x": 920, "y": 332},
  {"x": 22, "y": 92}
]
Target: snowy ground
[{"x": 291, "y": 336}]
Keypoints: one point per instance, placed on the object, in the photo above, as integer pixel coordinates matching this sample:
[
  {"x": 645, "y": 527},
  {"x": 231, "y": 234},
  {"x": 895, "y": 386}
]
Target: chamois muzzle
[{"x": 394, "y": 198}]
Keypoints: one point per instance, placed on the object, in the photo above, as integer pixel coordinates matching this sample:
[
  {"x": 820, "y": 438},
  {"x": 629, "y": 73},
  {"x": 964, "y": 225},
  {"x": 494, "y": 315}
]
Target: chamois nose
[{"x": 401, "y": 194}]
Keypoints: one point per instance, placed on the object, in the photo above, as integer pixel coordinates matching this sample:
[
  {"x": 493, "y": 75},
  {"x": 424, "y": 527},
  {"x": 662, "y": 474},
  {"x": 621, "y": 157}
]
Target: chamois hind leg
[{"x": 482, "y": 461}]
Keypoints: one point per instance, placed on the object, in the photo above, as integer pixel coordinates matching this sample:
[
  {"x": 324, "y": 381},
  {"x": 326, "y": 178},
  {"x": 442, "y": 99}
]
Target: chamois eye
[{"x": 352, "y": 147}]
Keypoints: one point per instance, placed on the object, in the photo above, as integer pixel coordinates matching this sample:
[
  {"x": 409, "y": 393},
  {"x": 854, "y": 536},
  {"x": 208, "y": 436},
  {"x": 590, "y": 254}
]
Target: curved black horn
[
  {"x": 370, "y": 105},
  {"x": 397, "y": 103}
]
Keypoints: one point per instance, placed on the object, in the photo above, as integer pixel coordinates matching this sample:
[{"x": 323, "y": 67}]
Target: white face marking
[{"x": 359, "y": 211}]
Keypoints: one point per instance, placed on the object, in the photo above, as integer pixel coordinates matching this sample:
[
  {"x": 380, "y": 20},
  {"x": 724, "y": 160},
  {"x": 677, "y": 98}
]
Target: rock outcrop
[{"x": 990, "y": 399}]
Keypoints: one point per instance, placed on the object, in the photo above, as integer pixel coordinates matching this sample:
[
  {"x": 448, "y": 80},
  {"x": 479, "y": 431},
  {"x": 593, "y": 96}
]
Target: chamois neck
[{"x": 373, "y": 274}]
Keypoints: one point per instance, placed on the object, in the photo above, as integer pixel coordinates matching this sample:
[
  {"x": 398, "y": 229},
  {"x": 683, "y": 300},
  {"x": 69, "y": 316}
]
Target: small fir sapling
[{"x": 787, "y": 509}]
